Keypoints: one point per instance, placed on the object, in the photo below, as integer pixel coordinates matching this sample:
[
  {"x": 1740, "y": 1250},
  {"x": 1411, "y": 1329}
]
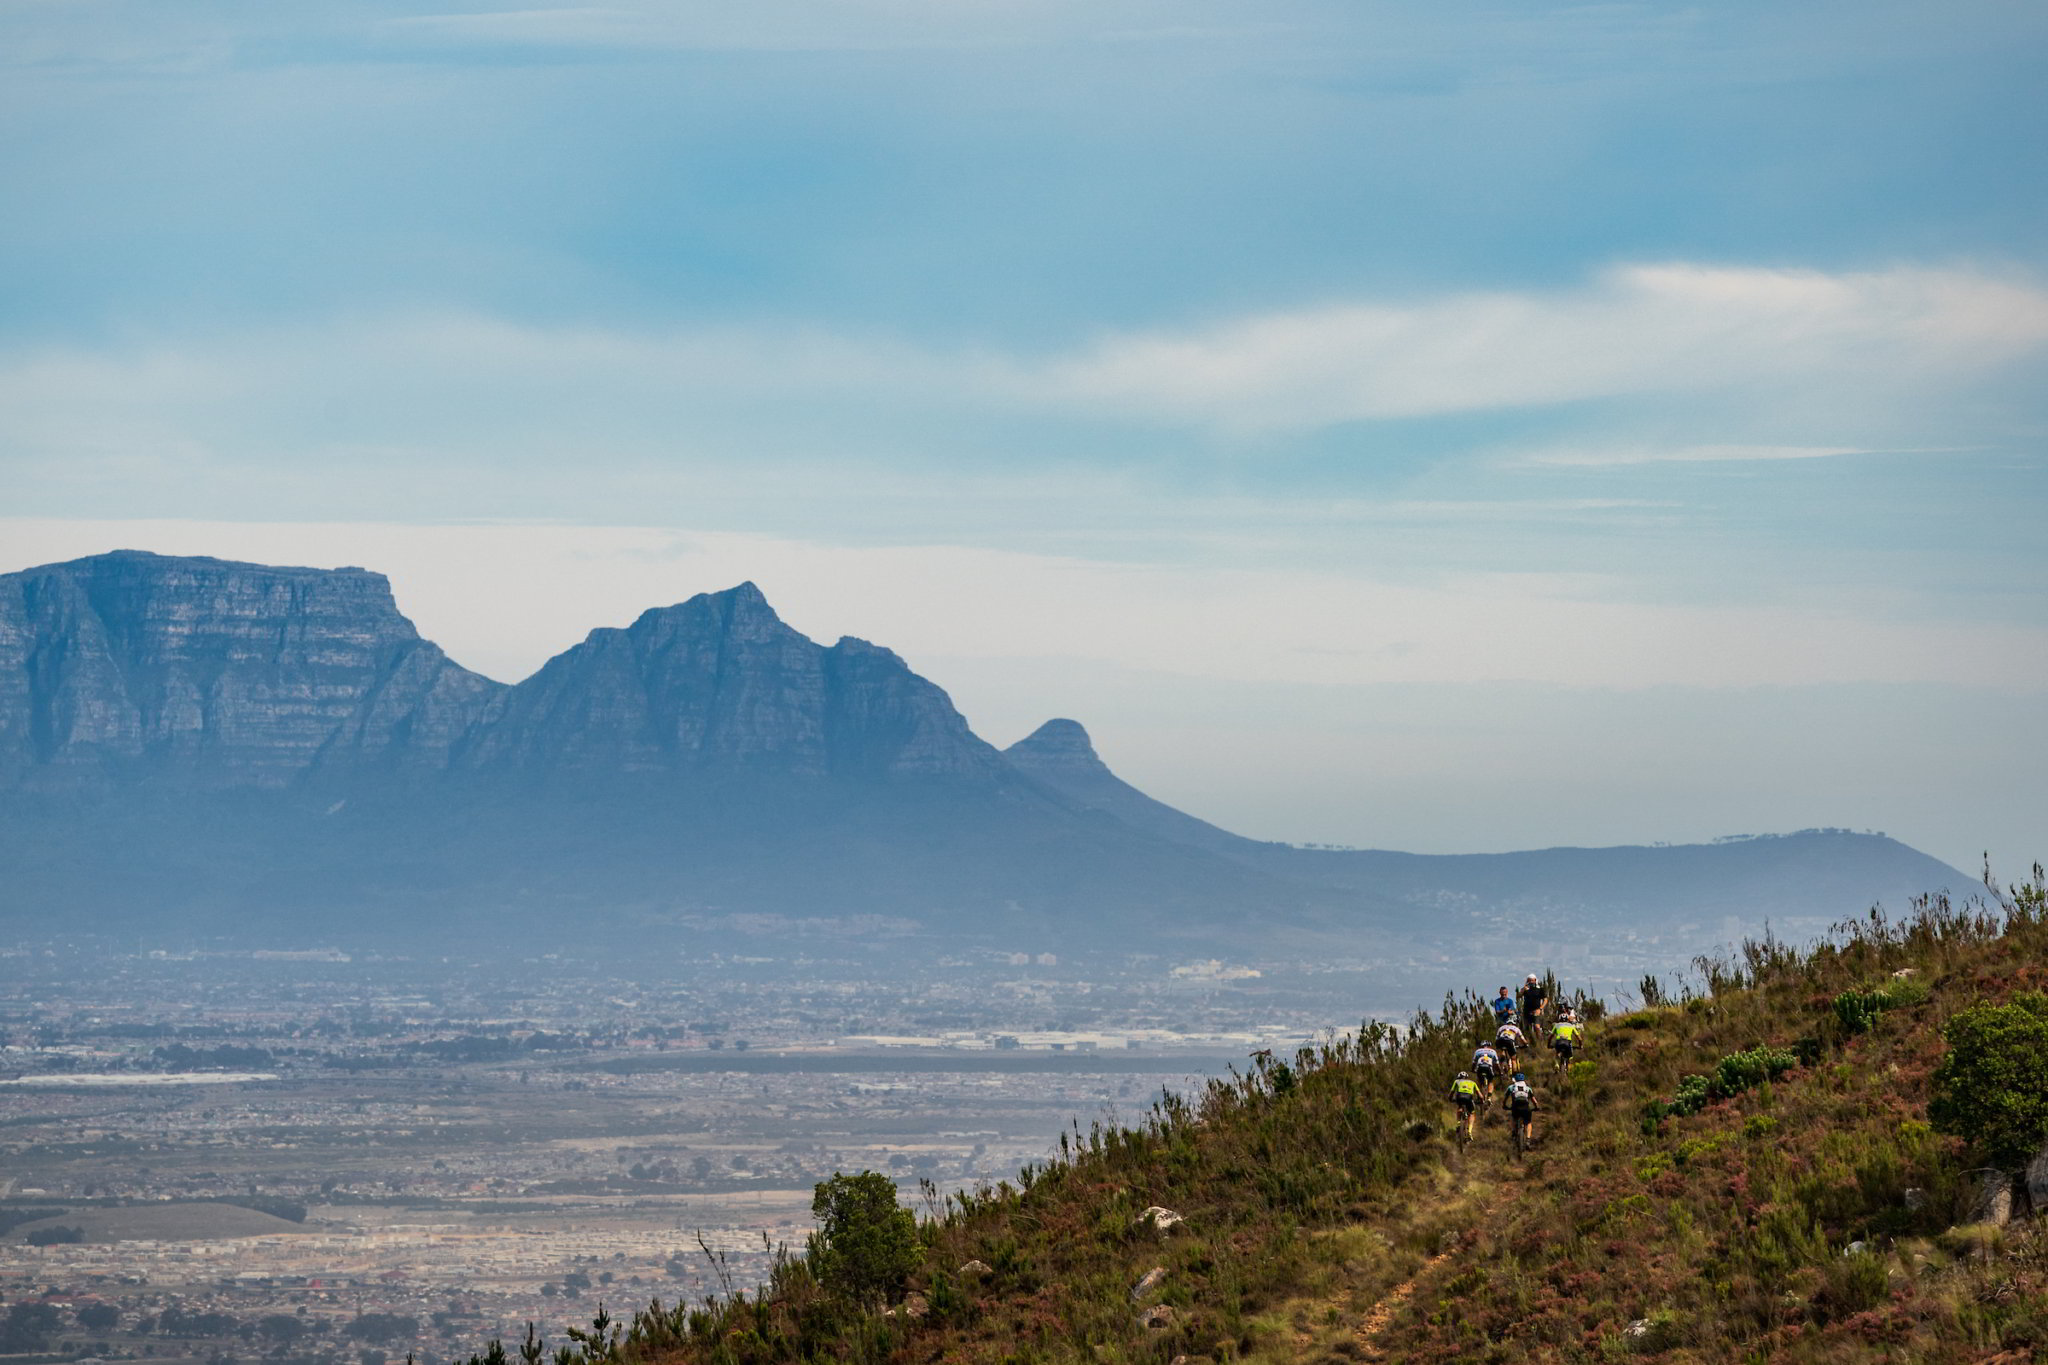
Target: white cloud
[
  {"x": 1598, "y": 457},
  {"x": 1670, "y": 330},
  {"x": 1752, "y": 363}
]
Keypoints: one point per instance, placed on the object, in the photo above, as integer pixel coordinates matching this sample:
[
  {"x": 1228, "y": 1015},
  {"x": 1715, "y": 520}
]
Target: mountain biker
[
  {"x": 1565, "y": 1037},
  {"x": 1532, "y": 1004},
  {"x": 1503, "y": 1006},
  {"x": 1486, "y": 1066},
  {"x": 1522, "y": 1109},
  {"x": 1509, "y": 1040},
  {"x": 1465, "y": 1094}
]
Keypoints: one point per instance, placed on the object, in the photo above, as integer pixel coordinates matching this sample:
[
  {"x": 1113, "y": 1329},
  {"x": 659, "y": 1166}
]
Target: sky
[{"x": 1441, "y": 427}]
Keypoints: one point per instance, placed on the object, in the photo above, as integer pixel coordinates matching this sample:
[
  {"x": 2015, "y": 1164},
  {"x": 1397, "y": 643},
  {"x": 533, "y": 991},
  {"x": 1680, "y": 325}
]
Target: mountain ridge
[{"x": 245, "y": 743}]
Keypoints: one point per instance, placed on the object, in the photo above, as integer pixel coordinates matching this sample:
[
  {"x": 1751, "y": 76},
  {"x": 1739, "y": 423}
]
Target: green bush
[
  {"x": 1740, "y": 1071},
  {"x": 1735, "y": 1073},
  {"x": 1857, "y": 1011},
  {"x": 866, "y": 1244},
  {"x": 1991, "y": 1089}
]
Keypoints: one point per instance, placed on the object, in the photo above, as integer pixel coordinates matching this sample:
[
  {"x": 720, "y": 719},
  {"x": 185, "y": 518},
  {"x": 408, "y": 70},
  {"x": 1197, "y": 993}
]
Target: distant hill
[{"x": 194, "y": 745}]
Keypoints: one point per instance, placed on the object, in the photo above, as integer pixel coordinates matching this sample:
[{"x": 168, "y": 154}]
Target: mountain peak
[{"x": 1060, "y": 745}]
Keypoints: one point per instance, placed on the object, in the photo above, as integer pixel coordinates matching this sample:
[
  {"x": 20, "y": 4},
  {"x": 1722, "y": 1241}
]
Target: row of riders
[{"x": 1518, "y": 1022}]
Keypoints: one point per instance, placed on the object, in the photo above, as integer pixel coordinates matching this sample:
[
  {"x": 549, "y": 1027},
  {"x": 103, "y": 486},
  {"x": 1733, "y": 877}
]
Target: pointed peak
[
  {"x": 1058, "y": 743},
  {"x": 741, "y": 610},
  {"x": 743, "y": 601}
]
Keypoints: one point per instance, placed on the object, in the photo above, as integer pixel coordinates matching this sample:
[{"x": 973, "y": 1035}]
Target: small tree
[
  {"x": 1992, "y": 1087},
  {"x": 866, "y": 1245},
  {"x": 99, "y": 1317}
]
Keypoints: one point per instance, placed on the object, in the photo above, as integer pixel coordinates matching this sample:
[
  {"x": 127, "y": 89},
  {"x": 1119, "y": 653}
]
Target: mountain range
[{"x": 195, "y": 745}]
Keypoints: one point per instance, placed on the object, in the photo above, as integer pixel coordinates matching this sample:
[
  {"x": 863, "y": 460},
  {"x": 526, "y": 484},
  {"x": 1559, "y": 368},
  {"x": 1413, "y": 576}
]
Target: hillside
[{"x": 1794, "y": 1204}]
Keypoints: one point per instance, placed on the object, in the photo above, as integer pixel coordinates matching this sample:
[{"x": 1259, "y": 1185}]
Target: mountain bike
[
  {"x": 1523, "y": 1126},
  {"x": 1485, "y": 1089}
]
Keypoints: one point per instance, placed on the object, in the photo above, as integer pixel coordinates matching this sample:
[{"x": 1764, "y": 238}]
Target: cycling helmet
[
  {"x": 1518, "y": 1075},
  {"x": 1532, "y": 978},
  {"x": 1464, "y": 1075}
]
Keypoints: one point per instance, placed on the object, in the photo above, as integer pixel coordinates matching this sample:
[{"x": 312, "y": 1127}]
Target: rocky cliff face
[
  {"x": 133, "y": 667},
  {"x": 138, "y": 667},
  {"x": 718, "y": 685}
]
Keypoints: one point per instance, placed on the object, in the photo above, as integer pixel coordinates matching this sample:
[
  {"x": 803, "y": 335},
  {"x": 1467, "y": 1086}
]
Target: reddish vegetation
[{"x": 1759, "y": 1211}]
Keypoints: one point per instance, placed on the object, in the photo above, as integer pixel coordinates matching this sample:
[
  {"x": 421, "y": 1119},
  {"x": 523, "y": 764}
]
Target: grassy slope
[{"x": 1328, "y": 1217}]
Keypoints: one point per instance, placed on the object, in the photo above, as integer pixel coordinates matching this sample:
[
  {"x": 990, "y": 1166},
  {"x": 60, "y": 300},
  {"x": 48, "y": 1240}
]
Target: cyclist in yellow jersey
[
  {"x": 1566, "y": 1036},
  {"x": 1465, "y": 1094}
]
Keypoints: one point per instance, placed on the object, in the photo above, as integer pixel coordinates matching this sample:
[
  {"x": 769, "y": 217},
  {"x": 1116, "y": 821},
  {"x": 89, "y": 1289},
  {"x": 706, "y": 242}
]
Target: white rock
[{"x": 1161, "y": 1220}]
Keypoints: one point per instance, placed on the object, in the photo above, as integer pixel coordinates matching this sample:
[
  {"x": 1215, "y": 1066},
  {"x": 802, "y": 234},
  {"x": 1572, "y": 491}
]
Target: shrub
[
  {"x": 1991, "y": 1088},
  {"x": 1857, "y": 1011},
  {"x": 1740, "y": 1071},
  {"x": 866, "y": 1244},
  {"x": 1853, "y": 1283}
]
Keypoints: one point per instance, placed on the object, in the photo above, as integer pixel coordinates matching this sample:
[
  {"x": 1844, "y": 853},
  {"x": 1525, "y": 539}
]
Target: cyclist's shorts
[{"x": 1524, "y": 1111}]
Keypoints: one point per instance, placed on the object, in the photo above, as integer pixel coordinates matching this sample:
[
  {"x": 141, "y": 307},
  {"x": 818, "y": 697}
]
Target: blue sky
[{"x": 1444, "y": 427}]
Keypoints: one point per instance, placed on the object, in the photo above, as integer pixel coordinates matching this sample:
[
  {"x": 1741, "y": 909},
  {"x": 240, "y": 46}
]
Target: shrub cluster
[
  {"x": 1857, "y": 1010},
  {"x": 1735, "y": 1073}
]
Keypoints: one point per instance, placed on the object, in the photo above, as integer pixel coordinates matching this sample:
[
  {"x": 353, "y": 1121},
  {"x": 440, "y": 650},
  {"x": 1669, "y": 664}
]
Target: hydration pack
[{"x": 1520, "y": 1093}]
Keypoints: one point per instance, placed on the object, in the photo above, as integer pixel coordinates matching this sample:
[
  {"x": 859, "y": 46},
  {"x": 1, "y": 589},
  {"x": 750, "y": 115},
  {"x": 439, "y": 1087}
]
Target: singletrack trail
[{"x": 1376, "y": 1319}]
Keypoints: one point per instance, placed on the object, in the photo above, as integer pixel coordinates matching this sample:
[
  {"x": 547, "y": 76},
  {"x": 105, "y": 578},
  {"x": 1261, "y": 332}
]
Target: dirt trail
[{"x": 1380, "y": 1314}]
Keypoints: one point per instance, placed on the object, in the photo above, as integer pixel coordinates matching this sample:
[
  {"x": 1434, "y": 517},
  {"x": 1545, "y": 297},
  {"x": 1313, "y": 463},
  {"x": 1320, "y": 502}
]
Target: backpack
[{"x": 1520, "y": 1094}]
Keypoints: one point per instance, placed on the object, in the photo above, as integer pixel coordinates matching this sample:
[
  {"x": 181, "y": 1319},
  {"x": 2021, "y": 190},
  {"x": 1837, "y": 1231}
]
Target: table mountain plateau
[{"x": 196, "y": 745}]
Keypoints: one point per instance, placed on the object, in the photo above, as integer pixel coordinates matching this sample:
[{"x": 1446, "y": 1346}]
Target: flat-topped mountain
[
  {"x": 197, "y": 743},
  {"x": 132, "y": 667}
]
